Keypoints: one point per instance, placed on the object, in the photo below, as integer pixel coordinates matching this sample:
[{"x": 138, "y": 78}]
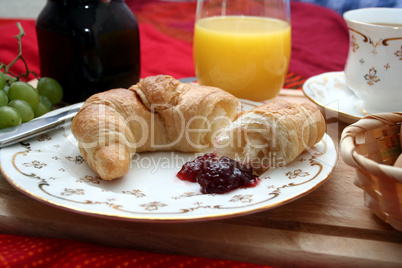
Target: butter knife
[{"x": 12, "y": 135}]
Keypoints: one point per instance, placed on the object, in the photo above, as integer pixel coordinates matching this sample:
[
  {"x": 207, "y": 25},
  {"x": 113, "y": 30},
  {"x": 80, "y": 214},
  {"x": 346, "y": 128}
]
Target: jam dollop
[{"x": 217, "y": 175}]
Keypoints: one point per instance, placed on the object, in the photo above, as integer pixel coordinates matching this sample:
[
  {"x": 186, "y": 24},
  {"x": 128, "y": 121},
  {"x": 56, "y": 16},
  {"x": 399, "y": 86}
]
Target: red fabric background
[
  {"x": 20, "y": 251},
  {"x": 319, "y": 35},
  {"x": 319, "y": 39},
  {"x": 319, "y": 44}
]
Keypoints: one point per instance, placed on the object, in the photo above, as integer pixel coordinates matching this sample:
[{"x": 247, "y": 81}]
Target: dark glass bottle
[{"x": 88, "y": 46}]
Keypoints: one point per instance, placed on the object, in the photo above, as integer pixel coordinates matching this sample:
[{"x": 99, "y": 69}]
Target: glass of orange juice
[{"x": 243, "y": 46}]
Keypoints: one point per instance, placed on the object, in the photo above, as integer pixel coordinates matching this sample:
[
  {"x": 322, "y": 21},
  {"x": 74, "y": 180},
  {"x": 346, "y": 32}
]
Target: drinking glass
[{"x": 243, "y": 46}]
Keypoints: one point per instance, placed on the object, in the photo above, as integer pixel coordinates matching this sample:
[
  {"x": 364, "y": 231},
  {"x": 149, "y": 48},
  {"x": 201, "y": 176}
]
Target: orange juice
[{"x": 246, "y": 56}]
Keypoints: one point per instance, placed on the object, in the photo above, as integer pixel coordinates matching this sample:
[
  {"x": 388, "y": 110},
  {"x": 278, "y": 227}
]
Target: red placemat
[{"x": 22, "y": 251}]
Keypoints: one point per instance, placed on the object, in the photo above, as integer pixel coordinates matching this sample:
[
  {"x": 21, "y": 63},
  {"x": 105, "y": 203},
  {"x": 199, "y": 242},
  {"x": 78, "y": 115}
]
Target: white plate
[
  {"x": 329, "y": 91},
  {"x": 50, "y": 169}
]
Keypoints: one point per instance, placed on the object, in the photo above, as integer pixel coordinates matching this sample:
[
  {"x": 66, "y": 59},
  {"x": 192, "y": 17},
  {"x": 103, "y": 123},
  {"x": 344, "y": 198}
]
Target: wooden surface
[{"x": 329, "y": 227}]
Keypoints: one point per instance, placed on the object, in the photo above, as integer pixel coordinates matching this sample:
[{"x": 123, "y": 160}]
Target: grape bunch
[{"x": 20, "y": 102}]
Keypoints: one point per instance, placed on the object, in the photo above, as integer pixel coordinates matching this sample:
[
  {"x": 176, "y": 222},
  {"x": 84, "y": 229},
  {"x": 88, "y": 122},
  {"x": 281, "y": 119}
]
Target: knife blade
[{"x": 12, "y": 135}]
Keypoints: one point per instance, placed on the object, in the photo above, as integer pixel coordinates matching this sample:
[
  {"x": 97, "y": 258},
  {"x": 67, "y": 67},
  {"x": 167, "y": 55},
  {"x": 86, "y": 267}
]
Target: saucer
[{"x": 329, "y": 90}]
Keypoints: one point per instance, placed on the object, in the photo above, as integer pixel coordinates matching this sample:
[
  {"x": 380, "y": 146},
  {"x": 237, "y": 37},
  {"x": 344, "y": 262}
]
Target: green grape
[
  {"x": 2, "y": 80},
  {"x": 25, "y": 110},
  {"x": 6, "y": 88},
  {"x": 9, "y": 117},
  {"x": 41, "y": 109},
  {"x": 23, "y": 91},
  {"x": 3, "y": 98},
  {"x": 10, "y": 79},
  {"x": 46, "y": 102},
  {"x": 51, "y": 89}
]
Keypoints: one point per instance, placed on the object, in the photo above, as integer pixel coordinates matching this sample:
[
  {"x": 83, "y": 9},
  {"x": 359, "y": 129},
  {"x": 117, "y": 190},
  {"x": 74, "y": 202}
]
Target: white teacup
[{"x": 374, "y": 66}]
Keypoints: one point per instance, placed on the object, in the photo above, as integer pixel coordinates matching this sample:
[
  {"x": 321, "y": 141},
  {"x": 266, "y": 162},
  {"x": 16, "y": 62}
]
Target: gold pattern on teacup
[
  {"x": 398, "y": 54},
  {"x": 385, "y": 41},
  {"x": 367, "y": 39},
  {"x": 354, "y": 44},
  {"x": 372, "y": 77}
]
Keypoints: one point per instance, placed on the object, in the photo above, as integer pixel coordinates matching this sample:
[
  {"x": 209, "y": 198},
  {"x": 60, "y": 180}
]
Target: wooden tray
[{"x": 330, "y": 227}]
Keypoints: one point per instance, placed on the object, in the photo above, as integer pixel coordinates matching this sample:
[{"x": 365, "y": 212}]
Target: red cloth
[
  {"x": 319, "y": 40},
  {"x": 160, "y": 53},
  {"x": 319, "y": 35},
  {"x": 22, "y": 251},
  {"x": 9, "y": 45},
  {"x": 163, "y": 54}
]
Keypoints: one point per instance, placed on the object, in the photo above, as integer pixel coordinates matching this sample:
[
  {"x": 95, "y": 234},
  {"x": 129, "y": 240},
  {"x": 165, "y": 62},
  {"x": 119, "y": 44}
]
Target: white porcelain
[
  {"x": 330, "y": 92},
  {"x": 49, "y": 168},
  {"x": 374, "y": 65}
]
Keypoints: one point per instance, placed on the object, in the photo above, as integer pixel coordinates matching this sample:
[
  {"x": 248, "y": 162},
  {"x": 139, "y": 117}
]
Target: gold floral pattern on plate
[{"x": 52, "y": 171}]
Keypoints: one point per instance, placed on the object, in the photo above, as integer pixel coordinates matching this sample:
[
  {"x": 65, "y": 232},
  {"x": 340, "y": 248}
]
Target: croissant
[
  {"x": 271, "y": 135},
  {"x": 159, "y": 113}
]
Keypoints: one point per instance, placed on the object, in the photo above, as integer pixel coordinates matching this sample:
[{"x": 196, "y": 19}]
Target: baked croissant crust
[
  {"x": 159, "y": 113},
  {"x": 271, "y": 135}
]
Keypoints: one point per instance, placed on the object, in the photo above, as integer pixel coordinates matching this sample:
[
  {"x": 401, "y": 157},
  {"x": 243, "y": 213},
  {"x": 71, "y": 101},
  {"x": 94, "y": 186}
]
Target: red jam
[{"x": 217, "y": 175}]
